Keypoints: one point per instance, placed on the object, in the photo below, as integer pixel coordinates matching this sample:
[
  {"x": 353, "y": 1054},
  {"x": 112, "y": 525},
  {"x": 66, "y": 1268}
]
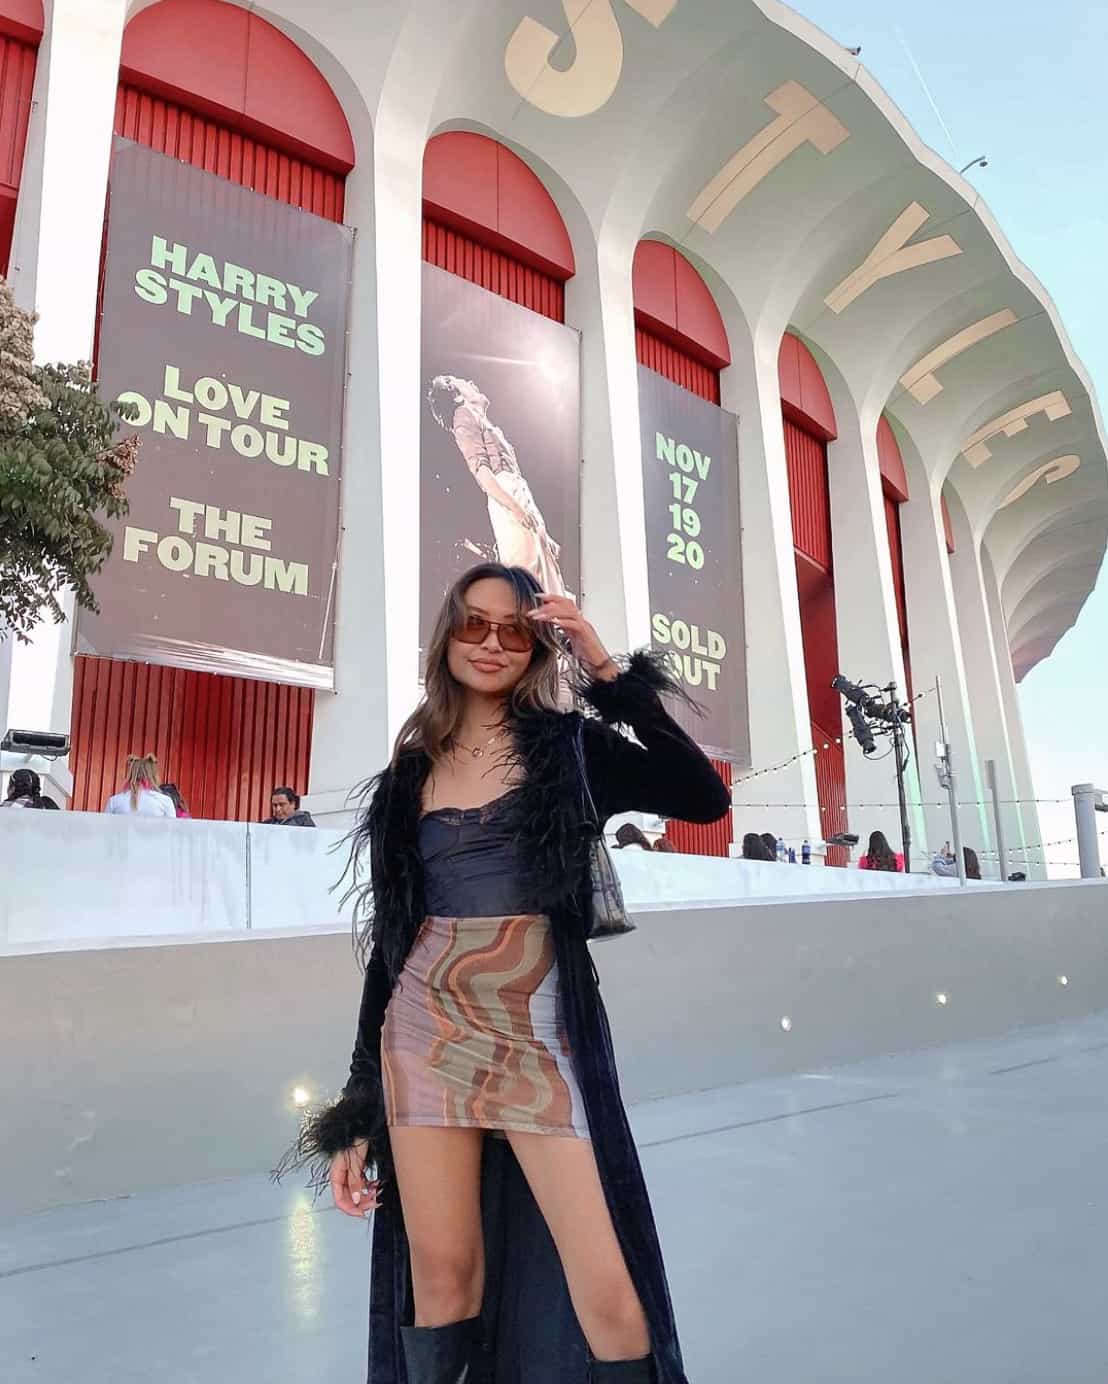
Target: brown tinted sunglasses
[{"x": 514, "y": 638}]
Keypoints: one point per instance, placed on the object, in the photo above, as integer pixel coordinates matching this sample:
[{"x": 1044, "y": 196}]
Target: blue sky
[{"x": 1025, "y": 85}]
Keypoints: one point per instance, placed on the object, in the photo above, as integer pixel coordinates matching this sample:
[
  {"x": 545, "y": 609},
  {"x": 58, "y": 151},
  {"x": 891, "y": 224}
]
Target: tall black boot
[
  {"x": 623, "y": 1371},
  {"x": 440, "y": 1354}
]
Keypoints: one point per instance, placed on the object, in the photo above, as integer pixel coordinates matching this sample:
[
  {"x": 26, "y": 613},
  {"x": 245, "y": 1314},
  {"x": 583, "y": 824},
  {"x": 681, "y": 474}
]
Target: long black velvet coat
[{"x": 531, "y": 1332}]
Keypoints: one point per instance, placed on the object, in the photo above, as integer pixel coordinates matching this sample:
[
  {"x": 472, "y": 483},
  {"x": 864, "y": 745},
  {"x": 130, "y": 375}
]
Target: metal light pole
[
  {"x": 1088, "y": 800},
  {"x": 900, "y": 741},
  {"x": 990, "y": 777},
  {"x": 947, "y": 779}
]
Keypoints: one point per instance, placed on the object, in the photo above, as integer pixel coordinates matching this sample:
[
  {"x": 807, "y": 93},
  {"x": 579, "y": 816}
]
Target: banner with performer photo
[
  {"x": 690, "y": 457},
  {"x": 224, "y": 325},
  {"x": 500, "y": 441}
]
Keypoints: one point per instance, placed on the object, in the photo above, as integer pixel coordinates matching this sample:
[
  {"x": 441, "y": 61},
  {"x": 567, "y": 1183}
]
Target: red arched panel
[
  {"x": 22, "y": 20},
  {"x": 804, "y": 395},
  {"x": 674, "y": 304},
  {"x": 226, "y": 742},
  {"x": 225, "y": 62},
  {"x": 475, "y": 185},
  {"x": 948, "y": 527},
  {"x": 893, "y": 475}
]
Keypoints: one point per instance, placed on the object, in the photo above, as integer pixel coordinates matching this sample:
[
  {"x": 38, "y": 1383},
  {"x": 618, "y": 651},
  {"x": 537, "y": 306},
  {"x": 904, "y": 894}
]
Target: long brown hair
[
  {"x": 433, "y": 724},
  {"x": 142, "y": 772},
  {"x": 880, "y": 855}
]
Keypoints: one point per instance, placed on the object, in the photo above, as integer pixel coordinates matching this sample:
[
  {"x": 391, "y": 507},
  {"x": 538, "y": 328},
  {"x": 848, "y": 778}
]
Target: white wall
[
  {"x": 149, "y": 1067},
  {"x": 81, "y": 879}
]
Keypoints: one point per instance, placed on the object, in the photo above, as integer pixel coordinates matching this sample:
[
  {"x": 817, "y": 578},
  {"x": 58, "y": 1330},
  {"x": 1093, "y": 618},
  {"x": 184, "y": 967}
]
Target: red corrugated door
[
  {"x": 700, "y": 379},
  {"x": 831, "y": 791},
  {"x": 896, "y": 558},
  {"x": 207, "y": 144},
  {"x": 226, "y": 742},
  {"x": 493, "y": 269},
  {"x": 810, "y": 499},
  {"x": 675, "y": 365},
  {"x": 806, "y": 457},
  {"x": 17, "y": 80}
]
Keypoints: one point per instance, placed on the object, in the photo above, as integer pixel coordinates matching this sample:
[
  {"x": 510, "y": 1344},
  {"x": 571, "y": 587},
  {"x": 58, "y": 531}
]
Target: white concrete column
[
  {"x": 936, "y": 651},
  {"x": 991, "y": 729},
  {"x": 868, "y": 631},
  {"x": 784, "y": 801},
  {"x": 56, "y": 265},
  {"x": 350, "y": 736},
  {"x": 1020, "y": 760},
  {"x": 614, "y": 586}
]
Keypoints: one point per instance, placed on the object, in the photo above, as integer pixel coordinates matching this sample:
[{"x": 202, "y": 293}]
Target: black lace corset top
[{"x": 471, "y": 862}]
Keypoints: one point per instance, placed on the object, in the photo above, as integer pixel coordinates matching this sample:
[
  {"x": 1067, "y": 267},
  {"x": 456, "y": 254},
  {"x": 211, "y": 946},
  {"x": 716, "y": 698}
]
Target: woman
[
  {"x": 513, "y": 1238},
  {"x": 517, "y": 523},
  {"x": 880, "y": 855},
  {"x": 173, "y": 793},
  {"x": 24, "y": 786},
  {"x": 631, "y": 835},
  {"x": 754, "y": 848},
  {"x": 141, "y": 798}
]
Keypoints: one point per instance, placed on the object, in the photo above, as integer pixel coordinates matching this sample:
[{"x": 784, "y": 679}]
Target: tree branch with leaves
[{"x": 62, "y": 477}]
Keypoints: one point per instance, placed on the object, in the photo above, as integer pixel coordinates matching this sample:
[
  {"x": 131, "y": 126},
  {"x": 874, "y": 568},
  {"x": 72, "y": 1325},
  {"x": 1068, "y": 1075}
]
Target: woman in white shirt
[{"x": 141, "y": 797}]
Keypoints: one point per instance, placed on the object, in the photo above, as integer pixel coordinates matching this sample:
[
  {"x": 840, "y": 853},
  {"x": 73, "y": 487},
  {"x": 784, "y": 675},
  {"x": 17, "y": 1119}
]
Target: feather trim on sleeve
[
  {"x": 644, "y": 676},
  {"x": 329, "y": 1129}
]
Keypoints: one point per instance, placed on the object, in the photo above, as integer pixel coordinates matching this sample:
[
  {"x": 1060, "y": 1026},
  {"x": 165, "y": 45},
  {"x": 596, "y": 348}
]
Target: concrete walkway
[{"x": 940, "y": 1217}]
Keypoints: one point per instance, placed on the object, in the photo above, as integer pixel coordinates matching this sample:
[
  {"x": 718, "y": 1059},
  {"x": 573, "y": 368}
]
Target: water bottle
[
  {"x": 782, "y": 854},
  {"x": 792, "y": 855},
  {"x": 806, "y": 853}
]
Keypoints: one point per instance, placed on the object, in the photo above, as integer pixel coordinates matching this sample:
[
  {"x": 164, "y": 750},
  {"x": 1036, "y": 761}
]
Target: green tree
[{"x": 62, "y": 475}]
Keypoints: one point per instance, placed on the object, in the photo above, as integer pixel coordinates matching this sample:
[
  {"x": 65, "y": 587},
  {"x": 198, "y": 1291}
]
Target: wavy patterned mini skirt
[{"x": 474, "y": 1036}]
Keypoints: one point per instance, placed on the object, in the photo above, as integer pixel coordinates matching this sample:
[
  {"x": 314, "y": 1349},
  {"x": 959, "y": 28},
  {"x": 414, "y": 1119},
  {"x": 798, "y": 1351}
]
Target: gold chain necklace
[{"x": 478, "y": 751}]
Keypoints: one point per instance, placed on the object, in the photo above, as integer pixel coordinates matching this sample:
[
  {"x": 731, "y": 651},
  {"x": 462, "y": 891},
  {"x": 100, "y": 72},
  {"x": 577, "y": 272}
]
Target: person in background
[
  {"x": 42, "y": 801},
  {"x": 630, "y": 835},
  {"x": 770, "y": 842},
  {"x": 284, "y": 807},
  {"x": 173, "y": 793},
  {"x": 944, "y": 863},
  {"x": 141, "y": 798},
  {"x": 24, "y": 787},
  {"x": 755, "y": 848},
  {"x": 665, "y": 845},
  {"x": 881, "y": 856}
]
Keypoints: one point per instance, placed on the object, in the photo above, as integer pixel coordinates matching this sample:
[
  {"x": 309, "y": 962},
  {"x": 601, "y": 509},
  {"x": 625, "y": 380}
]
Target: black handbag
[{"x": 609, "y": 912}]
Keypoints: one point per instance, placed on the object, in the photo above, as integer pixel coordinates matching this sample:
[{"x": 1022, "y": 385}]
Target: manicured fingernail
[{"x": 357, "y": 1197}]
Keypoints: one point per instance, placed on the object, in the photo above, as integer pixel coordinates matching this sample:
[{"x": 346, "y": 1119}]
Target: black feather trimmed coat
[{"x": 531, "y": 1332}]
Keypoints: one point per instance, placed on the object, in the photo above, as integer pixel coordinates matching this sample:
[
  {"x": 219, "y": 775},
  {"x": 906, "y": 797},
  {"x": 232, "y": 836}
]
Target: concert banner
[
  {"x": 224, "y": 324},
  {"x": 690, "y": 457},
  {"x": 500, "y": 441}
]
